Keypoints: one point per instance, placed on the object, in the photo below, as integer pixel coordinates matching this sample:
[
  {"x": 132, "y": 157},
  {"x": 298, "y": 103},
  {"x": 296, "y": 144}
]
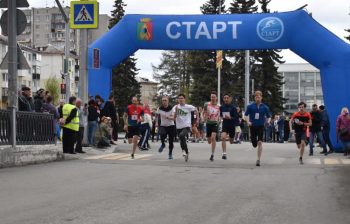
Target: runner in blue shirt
[{"x": 256, "y": 115}]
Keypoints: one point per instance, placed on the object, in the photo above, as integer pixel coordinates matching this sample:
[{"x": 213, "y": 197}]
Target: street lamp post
[
  {"x": 247, "y": 76},
  {"x": 219, "y": 69}
]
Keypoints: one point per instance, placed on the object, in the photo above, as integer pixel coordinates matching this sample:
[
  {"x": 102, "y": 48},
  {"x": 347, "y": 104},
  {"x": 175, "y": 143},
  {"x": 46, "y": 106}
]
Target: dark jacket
[
  {"x": 25, "y": 103},
  {"x": 325, "y": 119},
  {"x": 38, "y": 103},
  {"x": 92, "y": 114},
  {"x": 109, "y": 110},
  {"x": 316, "y": 121}
]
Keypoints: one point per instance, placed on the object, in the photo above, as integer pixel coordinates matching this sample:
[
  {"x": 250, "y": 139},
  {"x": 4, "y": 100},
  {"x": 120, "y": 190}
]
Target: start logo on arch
[{"x": 270, "y": 29}]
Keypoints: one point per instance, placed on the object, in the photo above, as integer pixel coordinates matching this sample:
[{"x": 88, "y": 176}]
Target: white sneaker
[{"x": 186, "y": 157}]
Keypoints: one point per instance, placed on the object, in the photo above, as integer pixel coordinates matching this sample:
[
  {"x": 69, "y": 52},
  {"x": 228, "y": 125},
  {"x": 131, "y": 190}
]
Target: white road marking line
[{"x": 102, "y": 156}]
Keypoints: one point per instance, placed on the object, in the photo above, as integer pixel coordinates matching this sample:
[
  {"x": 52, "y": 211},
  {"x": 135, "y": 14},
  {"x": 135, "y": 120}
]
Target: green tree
[
  {"x": 124, "y": 84},
  {"x": 266, "y": 77},
  {"x": 52, "y": 84},
  {"x": 172, "y": 74},
  {"x": 202, "y": 65},
  {"x": 348, "y": 37},
  {"x": 237, "y": 7}
]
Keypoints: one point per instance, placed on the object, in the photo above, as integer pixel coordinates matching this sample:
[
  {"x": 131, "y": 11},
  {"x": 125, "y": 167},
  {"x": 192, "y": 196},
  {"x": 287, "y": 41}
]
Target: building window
[
  {"x": 47, "y": 18},
  {"x": 4, "y": 92},
  {"x": 37, "y": 27},
  {"x": 4, "y": 77},
  {"x": 309, "y": 91},
  {"x": 307, "y": 76}
]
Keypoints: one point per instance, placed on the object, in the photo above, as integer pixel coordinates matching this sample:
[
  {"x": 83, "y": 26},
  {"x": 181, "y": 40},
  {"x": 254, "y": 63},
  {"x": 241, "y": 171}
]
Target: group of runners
[{"x": 177, "y": 120}]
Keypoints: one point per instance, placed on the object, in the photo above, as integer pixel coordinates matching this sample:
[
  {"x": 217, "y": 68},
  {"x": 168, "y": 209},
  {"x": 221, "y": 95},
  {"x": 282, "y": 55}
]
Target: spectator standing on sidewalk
[
  {"x": 280, "y": 128},
  {"x": 110, "y": 110},
  {"x": 59, "y": 108},
  {"x": 343, "y": 129},
  {"x": 25, "y": 101},
  {"x": 325, "y": 125},
  {"x": 93, "y": 117},
  {"x": 39, "y": 100},
  {"x": 48, "y": 107},
  {"x": 316, "y": 130},
  {"x": 80, "y": 135},
  {"x": 70, "y": 123}
]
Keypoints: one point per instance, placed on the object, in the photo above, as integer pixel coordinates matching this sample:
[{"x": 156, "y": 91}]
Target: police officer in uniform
[{"x": 70, "y": 125}]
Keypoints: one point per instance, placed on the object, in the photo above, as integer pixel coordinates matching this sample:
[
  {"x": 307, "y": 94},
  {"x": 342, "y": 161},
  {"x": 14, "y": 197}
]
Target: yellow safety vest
[{"x": 74, "y": 124}]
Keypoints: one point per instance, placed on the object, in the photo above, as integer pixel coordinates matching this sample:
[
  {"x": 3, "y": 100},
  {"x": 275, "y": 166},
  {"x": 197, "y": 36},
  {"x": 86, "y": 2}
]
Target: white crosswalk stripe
[
  {"x": 119, "y": 156},
  {"x": 323, "y": 161}
]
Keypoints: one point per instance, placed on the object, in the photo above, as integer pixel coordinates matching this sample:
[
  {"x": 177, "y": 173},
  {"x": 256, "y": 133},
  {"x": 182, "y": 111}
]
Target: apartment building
[
  {"x": 302, "y": 82},
  {"x": 47, "y": 26}
]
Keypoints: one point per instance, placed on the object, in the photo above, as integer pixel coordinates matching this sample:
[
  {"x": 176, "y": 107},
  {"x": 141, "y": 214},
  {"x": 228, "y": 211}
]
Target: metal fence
[{"x": 32, "y": 128}]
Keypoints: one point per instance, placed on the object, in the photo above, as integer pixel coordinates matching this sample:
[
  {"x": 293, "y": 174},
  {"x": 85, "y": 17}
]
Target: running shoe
[
  {"x": 257, "y": 163},
  {"x": 186, "y": 158},
  {"x": 161, "y": 148},
  {"x": 301, "y": 161},
  {"x": 211, "y": 158},
  {"x": 170, "y": 157},
  {"x": 132, "y": 156},
  {"x": 224, "y": 156}
]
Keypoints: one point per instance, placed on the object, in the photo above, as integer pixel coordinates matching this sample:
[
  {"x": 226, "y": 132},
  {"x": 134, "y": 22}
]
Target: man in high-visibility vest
[{"x": 70, "y": 125}]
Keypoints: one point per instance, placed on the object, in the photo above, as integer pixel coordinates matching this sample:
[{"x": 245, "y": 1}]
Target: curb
[{"x": 30, "y": 154}]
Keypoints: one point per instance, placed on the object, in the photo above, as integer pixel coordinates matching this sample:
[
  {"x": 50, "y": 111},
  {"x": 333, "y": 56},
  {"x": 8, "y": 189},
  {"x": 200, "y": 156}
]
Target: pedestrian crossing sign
[{"x": 83, "y": 14}]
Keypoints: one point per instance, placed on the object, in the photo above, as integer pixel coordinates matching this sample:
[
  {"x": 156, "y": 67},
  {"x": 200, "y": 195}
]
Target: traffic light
[{"x": 63, "y": 88}]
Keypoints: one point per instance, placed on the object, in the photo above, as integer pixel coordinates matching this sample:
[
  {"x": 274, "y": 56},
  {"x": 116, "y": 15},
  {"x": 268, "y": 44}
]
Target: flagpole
[{"x": 219, "y": 69}]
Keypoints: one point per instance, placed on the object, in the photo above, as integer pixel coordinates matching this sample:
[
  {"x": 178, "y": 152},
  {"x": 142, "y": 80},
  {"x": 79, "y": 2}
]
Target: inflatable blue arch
[{"x": 295, "y": 30}]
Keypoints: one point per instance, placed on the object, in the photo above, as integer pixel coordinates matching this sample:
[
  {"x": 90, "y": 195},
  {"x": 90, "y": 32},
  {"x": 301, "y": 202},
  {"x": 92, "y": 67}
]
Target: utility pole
[
  {"x": 83, "y": 80},
  {"x": 66, "y": 50},
  {"x": 247, "y": 76},
  {"x": 12, "y": 67}
]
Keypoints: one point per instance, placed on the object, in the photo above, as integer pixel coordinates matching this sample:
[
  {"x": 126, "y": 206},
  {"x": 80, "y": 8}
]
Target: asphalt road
[{"x": 105, "y": 187}]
